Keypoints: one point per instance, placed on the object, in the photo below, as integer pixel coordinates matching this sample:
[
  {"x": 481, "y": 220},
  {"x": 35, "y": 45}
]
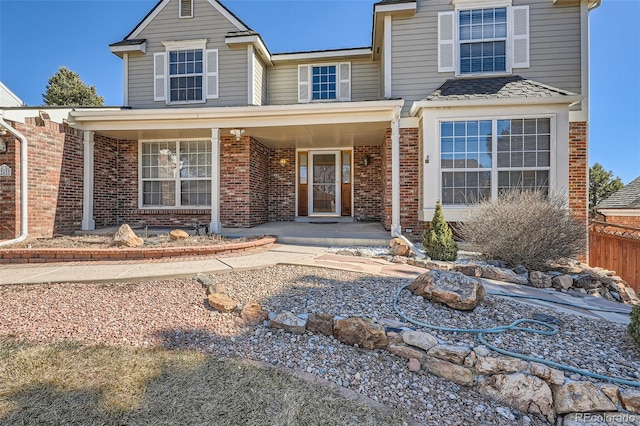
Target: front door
[{"x": 325, "y": 179}]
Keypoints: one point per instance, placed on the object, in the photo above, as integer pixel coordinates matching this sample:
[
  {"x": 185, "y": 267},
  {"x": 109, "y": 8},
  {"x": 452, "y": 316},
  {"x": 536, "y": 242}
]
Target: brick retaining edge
[{"x": 48, "y": 255}]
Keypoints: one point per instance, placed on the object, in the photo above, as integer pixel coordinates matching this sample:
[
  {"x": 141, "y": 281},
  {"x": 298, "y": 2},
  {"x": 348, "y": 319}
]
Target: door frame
[
  {"x": 337, "y": 183},
  {"x": 338, "y": 151}
]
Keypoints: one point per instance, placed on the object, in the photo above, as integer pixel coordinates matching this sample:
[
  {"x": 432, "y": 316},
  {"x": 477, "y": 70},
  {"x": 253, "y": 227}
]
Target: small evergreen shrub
[
  {"x": 438, "y": 240},
  {"x": 633, "y": 329},
  {"x": 528, "y": 228}
]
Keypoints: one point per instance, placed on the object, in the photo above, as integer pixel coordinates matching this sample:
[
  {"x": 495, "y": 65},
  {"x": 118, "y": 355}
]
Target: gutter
[{"x": 24, "y": 207}]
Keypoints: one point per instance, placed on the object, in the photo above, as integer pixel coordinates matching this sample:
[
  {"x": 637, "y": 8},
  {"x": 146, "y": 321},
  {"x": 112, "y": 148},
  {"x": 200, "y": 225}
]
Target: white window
[
  {"x": 479, "y": 159},
  {"x": 324, "y": 82},
  {"x": 175, "y": 174},
  {"x": 186, "y": 9},
  {"x": 186, "y": 73},
  {"x": 490, "y": 40}
]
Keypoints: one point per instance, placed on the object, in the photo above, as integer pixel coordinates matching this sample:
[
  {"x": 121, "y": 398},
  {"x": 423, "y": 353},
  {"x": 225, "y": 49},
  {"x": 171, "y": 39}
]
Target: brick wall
[
  {"x": 633, "y": 221},
  {"x": 282, "y": 184},
  {"x": 409, "y": 181},
  {"x": 55, "y": 186},
  {"x": 105, "y": 181},
  {"x": 367, "y": 183},
  {"x": 579, "y": 174},
  {"x": 259, "y": 183}
]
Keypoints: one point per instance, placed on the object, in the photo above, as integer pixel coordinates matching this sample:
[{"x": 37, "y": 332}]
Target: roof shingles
[
  {"x": 508, "y": 87},
  {"x": 626, "y": 198}
]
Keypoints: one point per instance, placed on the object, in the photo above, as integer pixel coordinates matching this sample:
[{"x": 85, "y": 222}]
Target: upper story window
[
  {"x": 324, "y": 82},
  {"x": 186, "y": 72},
  {"x": 186, "y": 9},
  {"x": 185, "y": 75},
  {"x": 483, "y": 41}
]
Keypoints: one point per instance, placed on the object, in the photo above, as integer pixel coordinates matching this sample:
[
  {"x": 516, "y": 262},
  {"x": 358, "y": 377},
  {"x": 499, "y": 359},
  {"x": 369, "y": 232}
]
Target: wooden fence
[{"x": 616, "y": 248}]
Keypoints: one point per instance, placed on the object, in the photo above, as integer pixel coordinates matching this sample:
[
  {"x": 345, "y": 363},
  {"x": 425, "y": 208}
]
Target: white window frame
[
  {"x": 343, "y": 84},
  {"x": 456, "y": 40},
  {"x": 170, "y": 46},
  {"x": 177, "y": 179},
  {"x": 311, "y": 67},
  {"x": 494, "y": 153},
  {"x": 180, "y": 15}
]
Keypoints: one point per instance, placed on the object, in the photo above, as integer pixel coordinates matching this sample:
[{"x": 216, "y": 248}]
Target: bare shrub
[{"x": 526, "y": 228}]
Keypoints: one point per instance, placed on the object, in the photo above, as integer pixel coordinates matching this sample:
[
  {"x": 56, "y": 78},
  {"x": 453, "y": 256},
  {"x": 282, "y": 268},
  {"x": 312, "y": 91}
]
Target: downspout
[{"x": 24, "y": 207}]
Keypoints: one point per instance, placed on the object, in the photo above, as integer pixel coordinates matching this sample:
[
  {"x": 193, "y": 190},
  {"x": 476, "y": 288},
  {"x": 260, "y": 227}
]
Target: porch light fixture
[
  {"x": 366, "y": 160},
  {"x": 283, "y": 162},
  {"x": 3, "y": 146},
  {"x": 237, "y": 133}
]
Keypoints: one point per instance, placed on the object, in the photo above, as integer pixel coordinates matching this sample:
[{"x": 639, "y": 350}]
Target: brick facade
[
  {"x": 367, "y": 183},
  {"x": 579, "y": 175},
  {"x": 282, "y": 184},
  {"x": 632, "y": 221}
]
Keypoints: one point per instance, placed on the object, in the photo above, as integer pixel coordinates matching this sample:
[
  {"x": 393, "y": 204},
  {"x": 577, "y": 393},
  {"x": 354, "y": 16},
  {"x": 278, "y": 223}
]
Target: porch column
[
  {"x": 215, "y": 226},
  {"x": 396, "y": 227},
  {"x": 88, "y": 223}
]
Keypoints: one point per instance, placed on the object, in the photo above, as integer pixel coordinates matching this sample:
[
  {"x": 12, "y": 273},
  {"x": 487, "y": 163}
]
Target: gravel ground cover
[
  {"x": 106, "y": 241},
  {"x": 174, "y": 314}
]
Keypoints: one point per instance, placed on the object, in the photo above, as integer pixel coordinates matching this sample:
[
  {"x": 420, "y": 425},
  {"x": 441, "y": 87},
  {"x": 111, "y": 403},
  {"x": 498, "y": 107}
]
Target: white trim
[
  {"x": 513, "y": 37},
  {"x": 24, "y": 183},
  {"x": 396, "y": 226},
  {"x": 385, "y": 8},
  {"x": 583, "y": 114},
  {"x": 451, "y": 41},
  {"x": 125, "y": 79},
  {"x": 257, "y": 44},
  {"x": 12, "y": 95},
  {"x": 200, "y": 43},
  {"x": 142, "y": 47},
  {"x": 386, "y": 50},
  {"x": 619, "y": 212},
  {"x": 279, "y": 57},
  {"x": 224, "y": 12},
  {"x": 88, "y": 222},
  {"x": 215, "y": 226},
  {"x": 566, "y": 100},
  {"x": 148, "y": 19},
  {"x": 250, "y": 75},
  {"x": 480, "y": 4}
]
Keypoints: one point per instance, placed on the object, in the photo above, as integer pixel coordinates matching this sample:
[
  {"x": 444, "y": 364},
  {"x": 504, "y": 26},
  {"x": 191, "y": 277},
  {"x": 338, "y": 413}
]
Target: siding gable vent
[
  {"x": 520, "y": 43},
  {"x": 446, "y": 42},
  {"x": 186, "y": 8}
]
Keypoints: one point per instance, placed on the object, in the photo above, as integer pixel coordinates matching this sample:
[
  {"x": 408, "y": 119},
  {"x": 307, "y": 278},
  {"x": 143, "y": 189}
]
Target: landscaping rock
[
  {"x": 414, "y": 365},
  {"x": 360, "y": 331},
  {"x": 419, "y": 339},
  {"x": 404, "y": 351},
  {"x": 539, "y": 279},
  {"x": 210, "y": 284},
  {"x": 546, "y": 373},
  {"x": 448, "y": 370},
  {"x": 125, "y": 237},
  {"x": 526, "y": 393},
  {"x": 320, "y": 323},
  {"x": 489, "y": 365},
  {"x": 611, "y": 391},
  {"x": 586, "y": 282},
  {"x": 252, "y": 313},
  {"x": 562, "y": 282},
  {"x": 287, "y": 321},
  {"x": 504, "y": 275},
  {"x": 454, "y": 289},
  {"x": 398, "y": 247},
  {"x": 178, "y": 234},
  {"x": 630, "y": 400},
  {"x": 221, "y": 302},
  {"x": 469, "y": 270},
  {"x": 452, "y": 353},
  {"x": 580, "y": 397}
]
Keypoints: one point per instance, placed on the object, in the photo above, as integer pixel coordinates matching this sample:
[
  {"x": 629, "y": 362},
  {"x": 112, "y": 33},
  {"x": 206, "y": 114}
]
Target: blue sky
[{"x": 37, "y": 37}]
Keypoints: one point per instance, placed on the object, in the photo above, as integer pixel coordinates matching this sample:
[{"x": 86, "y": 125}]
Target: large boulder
[
  {"x": 178, "y": 234},
  {"x": 539, "y": 279},
  {"x": 580, "y": 397},
  {"x": 562, "y": 282},
  {"x": 454, "y": 289},
  {"x": 360, "y": 331},
  {"x": 504, "y": 275},
  {"x": 526, "y": 393},
  {"x": 398, "y": 247},
  {"x": 125, "y": 237},
  {"x": 320, "y": 323}
]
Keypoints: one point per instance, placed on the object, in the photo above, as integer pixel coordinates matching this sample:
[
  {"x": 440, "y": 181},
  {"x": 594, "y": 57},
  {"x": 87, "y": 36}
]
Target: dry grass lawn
[{"x": 62, "y": 384}]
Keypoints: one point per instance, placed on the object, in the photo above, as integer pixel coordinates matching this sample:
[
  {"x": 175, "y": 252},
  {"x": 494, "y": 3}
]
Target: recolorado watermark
[{"x": 609, "y": 418}]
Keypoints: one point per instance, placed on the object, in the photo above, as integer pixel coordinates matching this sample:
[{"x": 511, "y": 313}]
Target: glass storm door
[{"x": 325, "y": 179}]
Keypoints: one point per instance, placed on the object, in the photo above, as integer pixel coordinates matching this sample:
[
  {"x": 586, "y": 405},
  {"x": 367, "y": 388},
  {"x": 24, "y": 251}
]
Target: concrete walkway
[{"x": 588, "y": 306}]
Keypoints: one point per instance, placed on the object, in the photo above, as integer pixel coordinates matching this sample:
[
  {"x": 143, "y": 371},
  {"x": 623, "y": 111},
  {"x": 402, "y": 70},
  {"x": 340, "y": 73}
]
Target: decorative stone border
[
  {"x": 48, "y": 255},
  {"x": 529, "y": 387}
]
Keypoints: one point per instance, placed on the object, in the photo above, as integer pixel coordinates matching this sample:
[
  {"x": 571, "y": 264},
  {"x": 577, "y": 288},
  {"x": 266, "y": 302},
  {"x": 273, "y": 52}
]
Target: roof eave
[{"x": 461, "y": 103}]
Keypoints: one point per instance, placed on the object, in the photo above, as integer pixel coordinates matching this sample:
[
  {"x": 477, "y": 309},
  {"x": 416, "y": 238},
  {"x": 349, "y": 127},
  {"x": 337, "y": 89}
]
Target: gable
[{"x": 167, "y": 12}]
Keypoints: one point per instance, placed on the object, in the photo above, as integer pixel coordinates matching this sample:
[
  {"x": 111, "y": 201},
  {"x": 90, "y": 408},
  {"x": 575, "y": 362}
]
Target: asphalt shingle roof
[
  {"x": 494, "y": 88},
  {"x": 626, "y": 198}
]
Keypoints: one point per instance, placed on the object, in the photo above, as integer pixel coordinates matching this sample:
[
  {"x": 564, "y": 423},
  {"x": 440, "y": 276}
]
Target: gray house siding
[
  {"x": 207, "y": 23},
  {"x": 554, "y": 49},
  {"x": 259, "y": 81},
  {"x": 283, "y": 80}
]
